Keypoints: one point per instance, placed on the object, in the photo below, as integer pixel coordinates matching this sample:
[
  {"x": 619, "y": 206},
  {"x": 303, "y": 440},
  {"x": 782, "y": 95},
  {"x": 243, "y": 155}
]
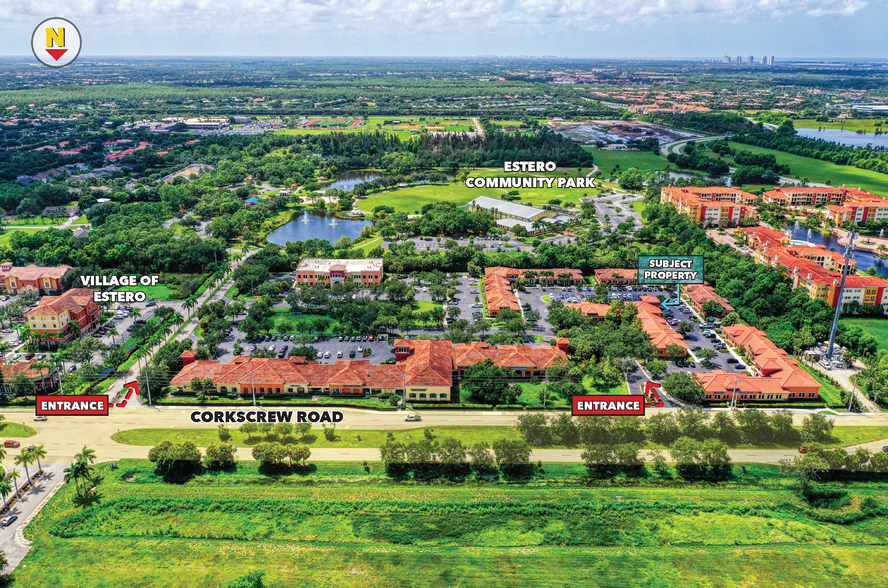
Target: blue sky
[{"x": 568, "y": 28}]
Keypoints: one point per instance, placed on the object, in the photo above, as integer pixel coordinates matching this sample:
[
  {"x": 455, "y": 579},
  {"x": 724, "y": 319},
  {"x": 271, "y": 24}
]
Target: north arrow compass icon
[{"x": 56, "y": 42}]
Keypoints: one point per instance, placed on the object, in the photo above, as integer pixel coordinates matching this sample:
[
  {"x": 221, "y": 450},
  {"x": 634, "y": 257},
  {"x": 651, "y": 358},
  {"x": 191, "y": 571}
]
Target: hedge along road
[{"x": 63, "y": 437}]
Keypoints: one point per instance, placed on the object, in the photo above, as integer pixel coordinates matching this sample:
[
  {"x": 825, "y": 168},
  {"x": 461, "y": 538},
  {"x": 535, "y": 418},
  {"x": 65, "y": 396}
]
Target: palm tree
[
  {"x": 178, "y": 319},
  {"x": 87, "y": 455},
  {"x": 113, "y": 332},
  {"x": 74, "y": 328},
  {"x": 5, "y": 489},
  {"x": 14, "y": 476},
  {"x": 37, "y": 453},
  {"x": 189, "y": 305},
  {"x": 77, "y": 471},
  {"x": 23, "y": 459}
]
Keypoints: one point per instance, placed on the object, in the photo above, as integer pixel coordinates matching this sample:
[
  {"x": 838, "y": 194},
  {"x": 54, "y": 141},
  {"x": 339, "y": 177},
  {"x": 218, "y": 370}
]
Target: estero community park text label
[
  {"x": 670, "y": 269},
  {"x": 72, "y": 405},
  {"x": 267, "y": 416},
  {"x": 627, "y": 405}
]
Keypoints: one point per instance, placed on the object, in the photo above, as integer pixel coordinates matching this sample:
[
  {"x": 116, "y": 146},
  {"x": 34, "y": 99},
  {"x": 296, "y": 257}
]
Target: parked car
[
  {"x": 326, "y": 354},
  {"x": 351, "y": 353},
  {"x": 339, "y": 353}
]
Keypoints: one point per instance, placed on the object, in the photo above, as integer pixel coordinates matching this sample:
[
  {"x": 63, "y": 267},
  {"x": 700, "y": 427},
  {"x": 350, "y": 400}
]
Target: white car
[
  {"x": 338, "y": 353},
  {"x": 360, "y": 349},
  {"x": 412, "y": 417},
  {"x": 326, "y": 355}
]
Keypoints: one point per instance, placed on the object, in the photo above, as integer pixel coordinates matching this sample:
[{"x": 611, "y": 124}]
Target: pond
[
  {"x": 316, "y": 225},
  {"x": 348, "y": 180},
  {"x": 849, "y": 138},
  {"x": 864, "y": 260}
]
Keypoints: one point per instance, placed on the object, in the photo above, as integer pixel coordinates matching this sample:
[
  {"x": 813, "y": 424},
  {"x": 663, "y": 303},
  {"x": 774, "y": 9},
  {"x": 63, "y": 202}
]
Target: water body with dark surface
[
  {"x": 849, "y": 138},
  {"x": 864, "y": 259},
  {"x": 348, "y": 180},
  {"x": 316, "y": 225}
]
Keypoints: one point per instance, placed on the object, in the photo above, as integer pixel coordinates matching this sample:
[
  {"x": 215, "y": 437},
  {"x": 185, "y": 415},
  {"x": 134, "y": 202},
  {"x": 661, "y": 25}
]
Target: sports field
[
  {"x": 399, "y": 125},
  {"x": 347, "y": 524}
]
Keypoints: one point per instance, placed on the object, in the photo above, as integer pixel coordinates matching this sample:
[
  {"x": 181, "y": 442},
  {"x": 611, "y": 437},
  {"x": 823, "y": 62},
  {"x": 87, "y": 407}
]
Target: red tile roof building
[
  {"x": 700, "y": 293},
  {"x": 651, "y": 316},
  {"x": 498, "y": 284},
  {"x": 776, "y": 376},
  {"x": 31, "y": 278},
  {"x": 43, "y": 379},
  {"x": 616, "y": 276},
  {"x": 715, "y": 206},
  {"x": 816, "y": 269},
  {"x": 812, "y": 196},
  {"x": 425, "y": 370},
  {"x": 315, "y": 270},
  {"x": 54, "y": 313}
]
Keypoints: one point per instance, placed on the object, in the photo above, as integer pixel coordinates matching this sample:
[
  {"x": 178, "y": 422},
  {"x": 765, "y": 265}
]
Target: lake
[
  {"x": 348, "y": 180},
  {"x": 316, "y": 225},
  {"x": 864, "y": 260},
  {"x": 849, "y": 138}
]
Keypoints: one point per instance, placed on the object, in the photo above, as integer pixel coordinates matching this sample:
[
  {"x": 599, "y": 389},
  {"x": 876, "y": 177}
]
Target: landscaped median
[
  {"x": 468, "y": 434},
  {"x": 8, "y": 429}
]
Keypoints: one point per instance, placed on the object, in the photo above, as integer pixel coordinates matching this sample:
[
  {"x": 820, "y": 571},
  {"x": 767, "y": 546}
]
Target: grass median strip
[{"x": 468, "y": 434}]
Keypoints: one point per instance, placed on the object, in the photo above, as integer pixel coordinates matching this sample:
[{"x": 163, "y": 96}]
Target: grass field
[
  {"x": 7, "y": 235},
  {"x": 823, "y": 171},
  {"x": 81, "y": 220},
  {"x": 843, "y": 436},
  {"x": 875, "y": 326},
  {"x": 412, "y": 199},
  {"x": 402, "y": 129},
  {"x": 10, "y": 429},
  {"x": 858, "y": 124},
  {"x": 644, "y": 160},
  {"x": 370, "y": 244},
  {"x": 36, "y": 221},
  {"x": 342, "y": 526},
  {"x": 286, "y": 321},
  {"x": 159, "y": 292}
]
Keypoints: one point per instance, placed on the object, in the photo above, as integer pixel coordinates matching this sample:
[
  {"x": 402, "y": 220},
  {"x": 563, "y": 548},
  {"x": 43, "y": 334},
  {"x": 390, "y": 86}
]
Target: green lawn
[
  {"x": 159, "y": 292},
  {"x": 412, "y": 199},
  {"x": 81, "y": 220},
  {"x": 875, "y": 326},
  {"x": 469, "y": 434},
  {"x": 10, "y": 429},
  {"x": 340, "y": 525},
  {"x": 36, "y": 221},
  {"x": 7, "y": 235},
  {"x": 644, "y": 160},
  {"x": 823, "y": 171},
  {"x": 286, "y": 321},
  {"x": 854, "y": 124},
  {"x": 370, "y": 244}
]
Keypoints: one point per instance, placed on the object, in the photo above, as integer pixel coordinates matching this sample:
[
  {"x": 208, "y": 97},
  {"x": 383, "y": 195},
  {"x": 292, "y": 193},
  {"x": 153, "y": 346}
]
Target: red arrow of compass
[{"x": 56, "y": 53}]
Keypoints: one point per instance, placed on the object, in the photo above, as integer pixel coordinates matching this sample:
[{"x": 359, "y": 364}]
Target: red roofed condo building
[
  {"x": 816, "y": 269},
  {"x": 700, "y": 293},
  {"x": 812, "y": 196},
  {"x": 425, "y": 371},
  {"x": 651, "y": 316},
  {"x": 498, "y": 284},
  {"x": 713, "y": 206},
  {"x": 617, "y": 276},
  {"x": 32, "y": 278},
  {"x": 776, "y": 377},
  {"x": 314, "y": 270},
  {"x": 55, "y": 314}
]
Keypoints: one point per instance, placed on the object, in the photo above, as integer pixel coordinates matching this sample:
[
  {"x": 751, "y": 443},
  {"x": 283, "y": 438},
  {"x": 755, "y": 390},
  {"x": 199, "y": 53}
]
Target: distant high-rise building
[
  {"x": 726, "y": 59},
  {"x": 771, "y": 60},
  {"x": 751, "y": 60},
  {"x": 764, "y": 60},
  {"x": 739, "y": 59}
]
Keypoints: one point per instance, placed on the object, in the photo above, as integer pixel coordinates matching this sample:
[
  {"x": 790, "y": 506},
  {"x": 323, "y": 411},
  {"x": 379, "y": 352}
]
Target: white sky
[{"x": 567, "y": 28}]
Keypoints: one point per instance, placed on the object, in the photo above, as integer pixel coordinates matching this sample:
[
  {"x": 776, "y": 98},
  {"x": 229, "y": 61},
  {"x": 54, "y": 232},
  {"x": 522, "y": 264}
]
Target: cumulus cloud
[{"x": 450, "y": 25}]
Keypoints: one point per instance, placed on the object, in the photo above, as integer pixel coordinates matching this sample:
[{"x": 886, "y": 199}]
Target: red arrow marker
[{"x": 56, "y": 53}]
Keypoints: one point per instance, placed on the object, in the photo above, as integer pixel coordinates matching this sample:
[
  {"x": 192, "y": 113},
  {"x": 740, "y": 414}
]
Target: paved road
[
  {"x": 30, "y": 500},
  {"x": 64, "y": 437}
]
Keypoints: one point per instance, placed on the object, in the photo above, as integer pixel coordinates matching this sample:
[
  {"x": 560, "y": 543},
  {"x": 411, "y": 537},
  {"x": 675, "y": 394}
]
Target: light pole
[{"x": 832, "y": 335}]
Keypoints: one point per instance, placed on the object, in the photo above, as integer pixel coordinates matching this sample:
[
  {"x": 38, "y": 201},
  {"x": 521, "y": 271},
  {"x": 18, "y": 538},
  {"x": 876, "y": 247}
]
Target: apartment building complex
[
  {"x": 712, "y": 206},
  {"x": 315, "y": 270},
  {"x": 498, "y": 284},
  {"x": 812, "y": 196},
  {"x": 617, "y": 276},
  {"x": 426, "y": 371},
  {"x": 776, "y": 377},
  {"x": 698, "y": 294},
  {"x": 815, "y": 268},
  {"x": 55, "y": 314}
]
